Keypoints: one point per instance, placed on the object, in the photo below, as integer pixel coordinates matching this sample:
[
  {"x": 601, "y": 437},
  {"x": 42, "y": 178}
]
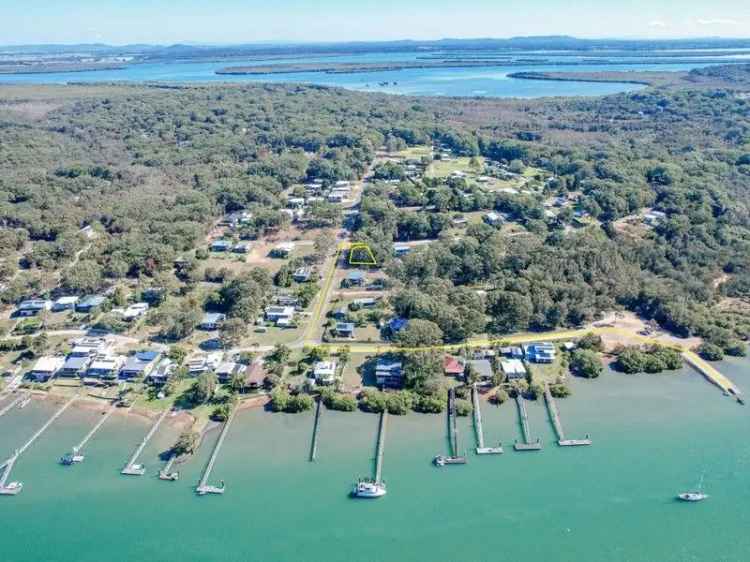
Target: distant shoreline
[{"x": 58, "y": 69}]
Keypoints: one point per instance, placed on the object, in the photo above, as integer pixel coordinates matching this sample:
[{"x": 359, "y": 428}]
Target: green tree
[
  {"x": 231, "y": 332},
  {"x": 204, "y": 388},
  {"x": 586, "y": 363}
]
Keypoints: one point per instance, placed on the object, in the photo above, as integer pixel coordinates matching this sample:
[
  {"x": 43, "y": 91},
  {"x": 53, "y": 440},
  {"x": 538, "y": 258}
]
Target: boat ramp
[
  {"x": 203, "y": 487},
  {"x": 132, "y": 468},
  {"x": 554, "y": 415},
  {"x": 15, "y": 487},
  {"x": 527, "y": 444},
  {"x": 481, "y": 449}
]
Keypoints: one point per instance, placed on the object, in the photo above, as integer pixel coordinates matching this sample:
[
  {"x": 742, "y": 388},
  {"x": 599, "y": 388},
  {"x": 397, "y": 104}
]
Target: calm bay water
[
  {"x": 653, "y": 437},
  {"x": 486, "y": 82}
]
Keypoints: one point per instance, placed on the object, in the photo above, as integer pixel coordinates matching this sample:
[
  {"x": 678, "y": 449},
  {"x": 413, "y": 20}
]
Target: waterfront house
[
  {"x": 46, "y": 368},
  {"x": 353, "y": 279},
  {"x": 64, "y": 303},
  {"x": 324, "y": 372},
  {"x": 139, "y": 365},
  {"x": 162, "y": 372},
  {"x": 389, "y": 373},
  {"x": 212, "y": 321},
  {"x": 302, "y": 275},
  {"x": 513, "y": 368},
  {"x": 226, "y": 370},
  {"x": 514, "y": 352},
  {"x": 89, "y": 303},
  {"x": 482, "y": 367},
  {"x": 221, "y": 246},
  {"x": 452, "y": 366},
  {"x": 32, "y": 307},
  {"x": 344, "y": 330},
  {"x": 75, "y": 366},
  {"x": 105, "y": 367},
  {"x": 540, "y": 352}
]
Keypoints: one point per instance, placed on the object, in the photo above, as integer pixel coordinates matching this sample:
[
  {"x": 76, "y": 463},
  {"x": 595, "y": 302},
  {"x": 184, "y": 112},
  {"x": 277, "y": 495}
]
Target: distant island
[{"x": 42, "y": 68}]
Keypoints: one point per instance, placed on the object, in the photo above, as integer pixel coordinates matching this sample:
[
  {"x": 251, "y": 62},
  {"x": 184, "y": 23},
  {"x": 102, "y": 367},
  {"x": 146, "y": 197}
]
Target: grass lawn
[
  {"x": 548, "y": 373},
  {"x": 415, "y": 152},
  {"x": 444, "y": 168}
]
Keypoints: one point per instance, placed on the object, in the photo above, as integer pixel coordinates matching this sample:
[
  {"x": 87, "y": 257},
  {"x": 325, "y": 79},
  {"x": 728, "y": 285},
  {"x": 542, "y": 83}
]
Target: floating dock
[
  {"x": 203, "y": 487},
  {"x": 380, "y": 449},
  {"x": 481, "y": 449},
  {"x": 133, "y": 469},
  {"x": 316, "y": 428},
  {"x": 454, "y": 457},
  {"x": 554, "y": 416},
  {"x": 76, "y": 454},
  {"x": 15, "y": 487},
  {"x": 527, "y": 444},
  {"x": 16, "y": 401}
]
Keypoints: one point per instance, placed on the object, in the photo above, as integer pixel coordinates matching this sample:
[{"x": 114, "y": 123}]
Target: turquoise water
[
  {"x": 653, "y": 437},
  {"x": 485, "y": 82}
]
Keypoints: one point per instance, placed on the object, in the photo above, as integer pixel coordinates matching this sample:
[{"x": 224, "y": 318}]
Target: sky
[{"x": 245, "y": 21}]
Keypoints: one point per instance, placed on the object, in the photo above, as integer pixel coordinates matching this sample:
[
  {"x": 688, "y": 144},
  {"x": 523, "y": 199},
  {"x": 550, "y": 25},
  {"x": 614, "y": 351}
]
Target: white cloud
[
  {"x": 658, "y": 24},
  {"x": 716, "y": 21}
]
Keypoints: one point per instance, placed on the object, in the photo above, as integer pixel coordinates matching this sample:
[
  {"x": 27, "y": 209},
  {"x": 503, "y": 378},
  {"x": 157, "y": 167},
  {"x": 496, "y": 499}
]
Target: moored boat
[
  {"x": 369, "y": 489},
  {"x": 692, "y": 496},
  {"x": 11, "y": 489}
]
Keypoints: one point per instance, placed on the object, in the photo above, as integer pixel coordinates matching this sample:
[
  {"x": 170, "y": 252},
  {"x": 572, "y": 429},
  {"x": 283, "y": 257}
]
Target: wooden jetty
[
  {"x": 454, "y": 457},
  {"x": 380, "y": 448},
  {"x": 316, "y": 430},
  {"x": 203, "y": 487},
  {"x": 527, "y": 444},
  {"x": 76, "y": 454},
  {"x": 15, "y": 402},
  {"x": 15, "y": 487},
  {"x": 554, "y": 415},
  {"x": 481, "y": 449},
  {"x": 133, "y": 469},
  {"x": 712, "y": 375}
]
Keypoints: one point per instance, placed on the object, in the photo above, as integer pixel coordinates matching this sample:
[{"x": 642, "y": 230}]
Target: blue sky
[{"x": 234, "y": 21}]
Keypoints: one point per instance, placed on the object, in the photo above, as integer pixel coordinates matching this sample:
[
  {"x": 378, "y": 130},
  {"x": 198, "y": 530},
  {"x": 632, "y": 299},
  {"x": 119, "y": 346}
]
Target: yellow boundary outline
[{"x": 363, "y": 247}]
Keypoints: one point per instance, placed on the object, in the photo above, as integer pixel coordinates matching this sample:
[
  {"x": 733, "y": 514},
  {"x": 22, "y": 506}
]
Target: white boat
[
  {"x": 11, "y": 489},
  {"x": 369, "y": 489},
  {"x": 692, "y": 496},
  {"x": 72, "y": 458}
]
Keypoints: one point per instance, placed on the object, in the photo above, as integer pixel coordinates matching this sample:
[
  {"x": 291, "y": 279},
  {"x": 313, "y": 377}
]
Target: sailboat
[{"x": 695, "y": 496}]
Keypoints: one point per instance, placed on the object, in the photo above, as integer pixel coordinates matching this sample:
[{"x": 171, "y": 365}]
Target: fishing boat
[
  {"x": 369, "y": 489},
  {"x": 692, "y": 496},
  {"x": 443, "y": 460},
  {"x": 72, "y": 458}
]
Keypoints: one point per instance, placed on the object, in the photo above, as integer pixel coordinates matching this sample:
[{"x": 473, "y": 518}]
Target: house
[
  {"x": 344, "y": 330},
  {"x": 493, "y": 219},
  {"x": 255, "y": 375},
  {"x": 197, "y": 364},
  {"x": 153, "y": 295},
  {"x": 64, "y": 303},
  {"x": 226, "y": 370},
  {"x": 540, "y": 352},
  {"x": 75, "y": 366},
  {"x": 296, "y": 202},
  {"x": 276, "y": 314},
  {"x": 452, "y": 367},
  {"x": 135, "y": 311},
  {"x": 302, "y": 275},
  {"x": 139, "y": 365},
  {"x": 212, "y": 321},
  {"x": 653, "y": 218},
  {"x": 283, "y": 250},
  {"x": 32, "y": 307},
  {"x": 482, "y": 367},
  {"x": 163, "y": 371},
  {"x": 335, "y": 197},
  {"x": 89, "y": 303},
  {"x": 353, "y": 279},
  {"x": 512, "y": 351},
  {"x": 389, "y": 373},
  {"x": 105, "y": 367},
  {"x": 287, "y": 300},
  {"x": 341, "y": 184},
  {"x": 241, "y": 248},
  {"x": 363, "y": 303},
  {"x": 395, "y": 325},
  {"x": 340, "y": 314},
  {"x": 237, "y": 218},
  {"x": 400, "y": 250},
  {"x": 221, "y": 246},
  {"x": 324, "y": 372},
  {"x": 376, "y": 284},
  {"x": 87, "y": 347},
  {"x": 513, "y": 368},
  {"x": 459, "y": 221},
  {"x": 46, "y": 368}
]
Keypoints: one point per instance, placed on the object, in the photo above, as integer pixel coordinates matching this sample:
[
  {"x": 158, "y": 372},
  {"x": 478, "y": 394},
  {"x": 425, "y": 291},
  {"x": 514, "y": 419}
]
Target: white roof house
[
  {"x": 513, "y": 368},
  {"x": 64, "y": 303},
  {"x": 135, "y": 310},
  {"x": 46, "y": 367},
  {"x": 325, "y": 372}
]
